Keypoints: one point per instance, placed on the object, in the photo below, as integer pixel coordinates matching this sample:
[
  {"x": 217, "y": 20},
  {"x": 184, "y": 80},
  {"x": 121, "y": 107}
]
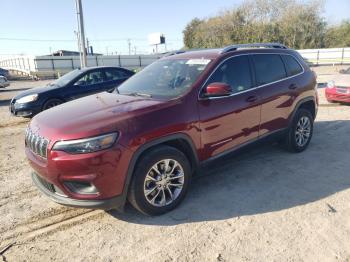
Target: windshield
[
  {"x": 168, "y": 78},
  {"x": 62, "y": 81}
]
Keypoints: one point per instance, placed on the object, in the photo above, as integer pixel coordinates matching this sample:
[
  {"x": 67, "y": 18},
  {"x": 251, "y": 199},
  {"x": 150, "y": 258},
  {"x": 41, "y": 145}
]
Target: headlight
[
  {"x": 86, "y": 145},
  {"x": 331, "y": 84},
  {"x": 27, "y": 99}
]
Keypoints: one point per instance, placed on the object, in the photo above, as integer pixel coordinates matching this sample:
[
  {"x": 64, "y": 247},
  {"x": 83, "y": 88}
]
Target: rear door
[
  {"x": 277, "y": 90},
  {"x": 230, "y": 121}
]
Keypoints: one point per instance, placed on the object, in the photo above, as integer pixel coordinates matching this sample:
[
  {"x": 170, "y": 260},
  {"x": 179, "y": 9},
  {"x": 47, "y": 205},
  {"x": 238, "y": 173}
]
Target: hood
[
  {"x": 91, "y": 115},
  {"x": 342, "y": 80},
  {"x": 36, "y": 90}
]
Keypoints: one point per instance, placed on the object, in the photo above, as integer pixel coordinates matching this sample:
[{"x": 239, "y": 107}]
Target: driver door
[
  {"x": 90, "y": 83},
  {"x": 229, "y": 121}
]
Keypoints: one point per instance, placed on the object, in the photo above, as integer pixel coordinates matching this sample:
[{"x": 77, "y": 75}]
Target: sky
[{"x": 34, "y": 27}]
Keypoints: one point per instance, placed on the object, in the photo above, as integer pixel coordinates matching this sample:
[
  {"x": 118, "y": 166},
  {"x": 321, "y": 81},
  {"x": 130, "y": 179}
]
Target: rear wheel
[
  {"x": 160, "y": 181},
  {"x": 52, "y": 103},
  {"x": 300, "y": 133}
]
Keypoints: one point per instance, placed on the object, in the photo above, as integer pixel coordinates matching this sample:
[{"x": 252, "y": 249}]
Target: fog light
[{"x": 78, "y": 187}]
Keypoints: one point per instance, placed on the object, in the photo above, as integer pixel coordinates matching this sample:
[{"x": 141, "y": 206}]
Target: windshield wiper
[{"x": 137, "y": 94}]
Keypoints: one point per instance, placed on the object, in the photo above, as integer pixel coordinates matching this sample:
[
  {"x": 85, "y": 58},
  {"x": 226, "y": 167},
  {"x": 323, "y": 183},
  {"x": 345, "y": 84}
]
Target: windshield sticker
[{"x": 198, "y": 62}]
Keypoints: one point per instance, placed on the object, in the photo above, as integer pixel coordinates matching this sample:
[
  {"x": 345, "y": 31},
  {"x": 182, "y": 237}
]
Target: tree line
[{"x": 298, "y": 25}]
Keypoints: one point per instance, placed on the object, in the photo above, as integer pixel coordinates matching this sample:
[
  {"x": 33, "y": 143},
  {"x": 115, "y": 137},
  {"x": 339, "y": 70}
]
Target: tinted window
[
  {"x": 115, "y": 74},
  {"x": 268, "y": 68},
  {"x": 91, "y": 78},
  {"x": 292, "y": 66},
  {"x": 235, "y": 72}
]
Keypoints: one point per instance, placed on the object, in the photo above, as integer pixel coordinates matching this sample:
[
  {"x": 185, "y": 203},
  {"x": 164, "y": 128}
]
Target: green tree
[
  {"x": 338, "y": 36},
  {"x": 294, "y": 23}
]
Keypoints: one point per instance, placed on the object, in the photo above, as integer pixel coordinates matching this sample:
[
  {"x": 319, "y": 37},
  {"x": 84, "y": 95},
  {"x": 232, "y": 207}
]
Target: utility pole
[
  {"x": 129, "y": 44},
  {"x": 87, "y": 46},
  {"x": 134, "y": 50},
  {"x": 81, "y": 32},
  {"x": 79, "y": 47}
]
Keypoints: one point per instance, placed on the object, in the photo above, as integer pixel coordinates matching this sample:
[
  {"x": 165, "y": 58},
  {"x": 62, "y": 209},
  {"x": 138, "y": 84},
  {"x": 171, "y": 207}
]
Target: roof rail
[
  {"x": 254, "y": 45},
  {"x": 175, "y": 52},
  {"x": 188, "y": 50}
]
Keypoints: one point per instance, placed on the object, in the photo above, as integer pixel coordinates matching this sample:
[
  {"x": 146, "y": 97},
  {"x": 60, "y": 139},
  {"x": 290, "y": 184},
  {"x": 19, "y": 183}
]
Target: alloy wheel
[
  {"x": 164, "y": 182},
  {"x": 303, "y": 131}
]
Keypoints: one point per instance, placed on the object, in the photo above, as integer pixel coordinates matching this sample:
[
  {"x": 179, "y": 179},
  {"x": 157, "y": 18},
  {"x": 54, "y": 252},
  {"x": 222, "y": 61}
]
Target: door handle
[
  {"x": 293, "y": 86},
  {"x": 251, "y": 99}
]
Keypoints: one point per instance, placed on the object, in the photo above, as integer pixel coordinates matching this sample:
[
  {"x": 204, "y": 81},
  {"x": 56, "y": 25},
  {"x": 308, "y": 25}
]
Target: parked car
[
  {"x": 4, "y": 72},
  {"x": 338, "y": 89},
  {"x": 4, "y": 82},
  {"x": 75, "y": 84},
  {"x": 178, "y": 113}
]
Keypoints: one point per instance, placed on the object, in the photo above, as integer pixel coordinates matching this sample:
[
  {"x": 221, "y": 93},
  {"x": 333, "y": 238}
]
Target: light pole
[
  {"x": 81, "y": 32},
  {"x": 79, "y": 48}
]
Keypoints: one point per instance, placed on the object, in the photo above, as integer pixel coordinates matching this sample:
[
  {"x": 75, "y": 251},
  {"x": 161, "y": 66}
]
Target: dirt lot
[{"x": 262, "y": 205}]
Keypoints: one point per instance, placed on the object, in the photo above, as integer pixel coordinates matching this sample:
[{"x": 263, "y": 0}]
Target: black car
[{"x": 73, "y": 85}]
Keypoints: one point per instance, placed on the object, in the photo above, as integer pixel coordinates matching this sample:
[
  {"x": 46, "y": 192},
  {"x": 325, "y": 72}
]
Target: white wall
[{"x": 63, "y": 64}]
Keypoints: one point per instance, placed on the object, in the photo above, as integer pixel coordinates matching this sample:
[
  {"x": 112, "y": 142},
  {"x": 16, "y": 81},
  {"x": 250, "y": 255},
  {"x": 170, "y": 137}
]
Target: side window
[
  {"x": 91, "y": 78},
  {"x": 292, "y": 66},
  {"x": 268, "y": 68},
  {"x": 235, "y": 72},
  {"x": 115, "y": 74}
]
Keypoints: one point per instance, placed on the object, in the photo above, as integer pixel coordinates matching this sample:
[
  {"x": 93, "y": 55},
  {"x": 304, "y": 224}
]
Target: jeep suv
[{"x": 143, "y": 142}]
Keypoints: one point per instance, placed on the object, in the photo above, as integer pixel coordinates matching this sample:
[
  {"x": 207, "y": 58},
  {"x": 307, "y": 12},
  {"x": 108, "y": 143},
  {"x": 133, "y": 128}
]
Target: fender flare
[
  {"x": 150, "y": 144},
  {"x": 297, "y": 106}
]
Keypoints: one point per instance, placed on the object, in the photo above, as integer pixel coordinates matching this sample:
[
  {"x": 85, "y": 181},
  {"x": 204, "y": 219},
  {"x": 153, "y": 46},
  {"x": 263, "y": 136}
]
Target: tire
[
  {"x": 148, "y": 186},
  {"x": 300, "y": 132},
  {"x": 52, "y": 103}
]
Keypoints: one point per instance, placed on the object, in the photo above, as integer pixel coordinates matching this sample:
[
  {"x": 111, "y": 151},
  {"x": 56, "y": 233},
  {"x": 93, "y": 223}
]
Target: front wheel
[
  {"x": 52, "y": 103},
  {"x": 160, "y": 181},
  {"x": 300, "y": 132}
]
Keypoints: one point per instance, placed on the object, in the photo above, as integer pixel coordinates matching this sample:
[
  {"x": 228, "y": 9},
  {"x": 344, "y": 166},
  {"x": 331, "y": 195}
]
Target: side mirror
[{"x": 218, "y": 89}]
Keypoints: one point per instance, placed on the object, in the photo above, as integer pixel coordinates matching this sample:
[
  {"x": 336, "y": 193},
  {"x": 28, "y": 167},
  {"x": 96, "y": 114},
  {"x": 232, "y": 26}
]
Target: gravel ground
[{"x": 262, "y": 205}]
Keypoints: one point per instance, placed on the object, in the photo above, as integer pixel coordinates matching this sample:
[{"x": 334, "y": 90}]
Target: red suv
[{"x": 144, "y": 142}]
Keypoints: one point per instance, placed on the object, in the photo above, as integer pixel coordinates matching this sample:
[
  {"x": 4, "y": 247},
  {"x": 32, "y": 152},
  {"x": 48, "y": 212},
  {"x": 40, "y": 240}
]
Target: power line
[{"x": 74, "y": 40}]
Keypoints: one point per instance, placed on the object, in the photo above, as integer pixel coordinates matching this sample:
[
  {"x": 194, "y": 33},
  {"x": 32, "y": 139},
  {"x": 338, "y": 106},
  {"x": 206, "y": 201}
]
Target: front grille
[
  {"x": 46, "y": 184},
  {"x": 37, "y": 144},
  {"x": 50, "y": 187}
]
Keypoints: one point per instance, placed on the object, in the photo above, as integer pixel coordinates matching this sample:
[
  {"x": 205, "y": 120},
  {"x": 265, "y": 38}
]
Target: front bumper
[
  {"x": 48, "y": 190},
  {"x": 106, "y": 170},
  {"x": 24, "y": 110}
]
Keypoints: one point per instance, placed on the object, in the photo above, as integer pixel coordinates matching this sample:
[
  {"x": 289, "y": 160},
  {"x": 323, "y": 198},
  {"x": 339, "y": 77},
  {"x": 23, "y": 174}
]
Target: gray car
[{"x": 4, "y": 82}]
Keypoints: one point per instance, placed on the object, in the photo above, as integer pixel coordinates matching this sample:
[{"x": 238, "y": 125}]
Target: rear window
[
  {"x": 268, "y": 68},
  {"x": 292, "y": 65}
]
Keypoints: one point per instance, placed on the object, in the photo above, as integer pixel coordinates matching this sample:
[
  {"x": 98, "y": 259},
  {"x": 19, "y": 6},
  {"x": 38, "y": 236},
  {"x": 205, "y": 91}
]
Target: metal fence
[
  {"x": 326, "y": 56},
  {"x": 56, "y": 65}
]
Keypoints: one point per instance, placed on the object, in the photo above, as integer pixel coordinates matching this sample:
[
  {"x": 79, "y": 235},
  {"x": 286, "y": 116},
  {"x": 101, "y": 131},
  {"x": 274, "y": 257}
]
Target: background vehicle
[
  {"x": 75, "y": 84},
  {"x": 338, "y": 90},
  {"x": 176, "y": 114},
  {"x": 4, "y": 72},
  {"x": 4, "y": 82}
]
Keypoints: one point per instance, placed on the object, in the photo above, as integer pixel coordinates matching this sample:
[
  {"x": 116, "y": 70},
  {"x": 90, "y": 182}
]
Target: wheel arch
[
  {"x": 308, "y": 103},
  {"x": 51, "y": 98},
  {"x": 180, "y": 141}
]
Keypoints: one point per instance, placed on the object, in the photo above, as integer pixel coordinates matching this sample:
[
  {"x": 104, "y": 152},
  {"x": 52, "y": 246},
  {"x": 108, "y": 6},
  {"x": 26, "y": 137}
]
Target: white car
[{"x": 4, "y": 82}]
